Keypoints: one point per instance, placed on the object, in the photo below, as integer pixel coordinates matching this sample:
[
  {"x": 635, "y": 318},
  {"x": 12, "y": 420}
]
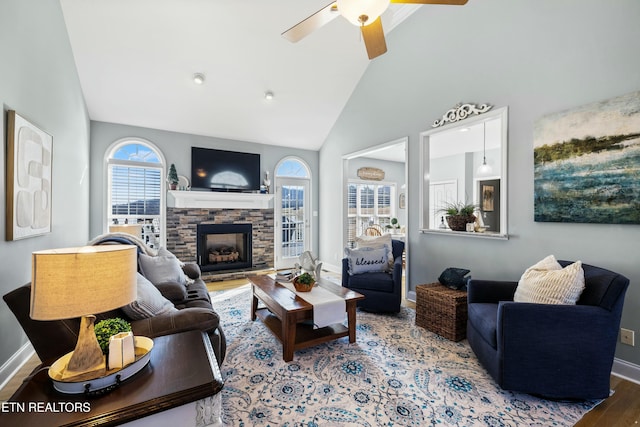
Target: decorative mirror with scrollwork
[{"x": 464, "y": 162}]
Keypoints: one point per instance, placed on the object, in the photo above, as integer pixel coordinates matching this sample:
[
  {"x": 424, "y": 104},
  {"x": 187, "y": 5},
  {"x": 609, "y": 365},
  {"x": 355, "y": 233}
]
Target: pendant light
[{"x": 484, "y": 168}]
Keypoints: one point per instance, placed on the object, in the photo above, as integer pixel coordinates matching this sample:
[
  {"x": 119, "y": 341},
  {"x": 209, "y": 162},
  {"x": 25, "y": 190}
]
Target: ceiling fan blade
[
  {"x": 373, "y": 36},
  {"x": 449, "y": 2},
  {"x": 312, "y": 23}
]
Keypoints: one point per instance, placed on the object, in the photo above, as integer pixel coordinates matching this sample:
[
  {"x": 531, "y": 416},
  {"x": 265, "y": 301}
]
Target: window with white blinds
[
  {"x": 136, "y": 191},
  {"x": 368, "y": 204}
]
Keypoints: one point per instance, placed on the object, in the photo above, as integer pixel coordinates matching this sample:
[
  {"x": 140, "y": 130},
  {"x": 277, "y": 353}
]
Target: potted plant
[
  {"x": 459, "y": 214},
  {"x": 304, "y": 282},
  {"x": 107, "y": 328},
  {"x": 395, "y": 224},
  {"x": 172, "y": 177}
]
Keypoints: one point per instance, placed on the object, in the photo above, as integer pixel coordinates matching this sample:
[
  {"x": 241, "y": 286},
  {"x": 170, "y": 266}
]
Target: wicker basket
[
  {"x": 459, "y": 222},
  {"x": 303, "y": 287},
  {"x": 442, "y": 310}
]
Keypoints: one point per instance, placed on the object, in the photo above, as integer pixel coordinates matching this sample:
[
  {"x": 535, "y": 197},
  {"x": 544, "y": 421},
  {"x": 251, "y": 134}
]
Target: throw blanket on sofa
[
  {"x": 328, "y": 308},
  {"x": 118, "y": 237}
]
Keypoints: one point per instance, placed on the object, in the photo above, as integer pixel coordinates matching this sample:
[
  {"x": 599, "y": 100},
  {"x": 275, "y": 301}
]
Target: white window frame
[
  {"x": 109, "y": 162},
  {"x": 359, "y": 216}
]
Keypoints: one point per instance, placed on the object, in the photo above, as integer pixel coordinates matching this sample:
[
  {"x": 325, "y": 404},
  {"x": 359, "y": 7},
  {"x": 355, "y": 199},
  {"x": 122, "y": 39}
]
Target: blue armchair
[
  {"x": 555, "y": 351},
  {"x": 382, "y": 291}
]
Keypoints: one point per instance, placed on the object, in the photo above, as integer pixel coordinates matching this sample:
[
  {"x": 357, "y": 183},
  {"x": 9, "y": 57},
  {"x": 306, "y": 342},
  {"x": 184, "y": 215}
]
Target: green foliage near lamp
[{"x": 107, "y": 328}]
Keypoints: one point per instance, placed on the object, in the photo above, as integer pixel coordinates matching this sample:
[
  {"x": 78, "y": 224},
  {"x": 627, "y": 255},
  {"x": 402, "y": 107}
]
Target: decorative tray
[{"x": 111, "y": 380}]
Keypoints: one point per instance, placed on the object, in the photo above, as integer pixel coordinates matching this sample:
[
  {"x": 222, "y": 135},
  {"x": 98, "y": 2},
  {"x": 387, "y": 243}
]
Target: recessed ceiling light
[
  {"x": 268, "y": 95},
  {"x": 198, "y": 78}
]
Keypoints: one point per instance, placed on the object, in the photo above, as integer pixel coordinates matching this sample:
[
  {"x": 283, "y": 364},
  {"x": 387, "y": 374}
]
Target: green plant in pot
[
  {"x": 304, "y": 282},
  {"x": 395, "y": 224},
  {"x": 459, "y": 214},
  {"x": 107, "y": 328},
  {"x": 172, "y": 177}
]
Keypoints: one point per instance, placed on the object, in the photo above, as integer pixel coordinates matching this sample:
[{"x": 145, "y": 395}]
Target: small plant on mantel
[
  {"x": 459, "y": 214},
  {"x": 172, "y": 177}
]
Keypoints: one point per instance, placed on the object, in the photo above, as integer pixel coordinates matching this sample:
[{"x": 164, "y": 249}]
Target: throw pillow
[
  {"x": 548, "y": 283},
  {"x": 377, "y": 242},
  {"x": 366, "y": 260},
  {"x": 148, "y": 303},
  {"x": 162, "y": 269}
]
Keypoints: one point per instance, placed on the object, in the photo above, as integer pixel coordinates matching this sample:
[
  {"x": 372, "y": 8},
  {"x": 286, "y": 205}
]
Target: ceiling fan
[{"x": 362, "y": 13}]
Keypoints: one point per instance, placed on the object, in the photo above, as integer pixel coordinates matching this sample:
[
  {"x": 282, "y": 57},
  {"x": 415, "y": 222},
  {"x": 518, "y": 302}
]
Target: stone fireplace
[{"x": 185, "y": 218}]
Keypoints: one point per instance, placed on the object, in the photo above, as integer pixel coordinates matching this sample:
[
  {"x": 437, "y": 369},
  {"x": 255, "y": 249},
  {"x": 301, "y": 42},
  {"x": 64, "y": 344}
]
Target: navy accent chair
[
  {"x": 553, "y": 351},
  {"x": 382, "y": 291}
]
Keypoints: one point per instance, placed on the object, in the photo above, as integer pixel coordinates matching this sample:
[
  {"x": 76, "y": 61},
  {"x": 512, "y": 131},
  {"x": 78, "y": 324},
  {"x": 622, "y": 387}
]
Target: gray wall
[
  {"x": 536, "y": 57},
  {"x": 176, "y": 148},
  {"x": 38, "y": 79}
]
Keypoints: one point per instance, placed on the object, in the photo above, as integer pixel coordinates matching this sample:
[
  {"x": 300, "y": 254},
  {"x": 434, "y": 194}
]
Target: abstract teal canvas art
[{"x": 587, "y": 163}]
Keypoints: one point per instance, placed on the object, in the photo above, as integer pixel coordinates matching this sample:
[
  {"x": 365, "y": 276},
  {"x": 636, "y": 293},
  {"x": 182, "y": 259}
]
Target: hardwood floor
[{"x": 620, "y": 410}]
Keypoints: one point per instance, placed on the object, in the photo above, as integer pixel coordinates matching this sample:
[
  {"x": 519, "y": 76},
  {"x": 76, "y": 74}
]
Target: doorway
[
  {"x": 388, "y": 157},
  {"x": 292, "y": 211}
]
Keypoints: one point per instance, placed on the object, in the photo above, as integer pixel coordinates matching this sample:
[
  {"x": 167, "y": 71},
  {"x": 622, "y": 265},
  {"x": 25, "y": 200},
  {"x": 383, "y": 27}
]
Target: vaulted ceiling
[{"x": 136, "y": 61}]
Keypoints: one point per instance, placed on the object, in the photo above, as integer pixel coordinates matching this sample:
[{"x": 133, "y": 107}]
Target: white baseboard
[
  {"x": 626, "y": 370},
  {"x": 332, "y": 268},
  {"x": 15, "y": 362}
]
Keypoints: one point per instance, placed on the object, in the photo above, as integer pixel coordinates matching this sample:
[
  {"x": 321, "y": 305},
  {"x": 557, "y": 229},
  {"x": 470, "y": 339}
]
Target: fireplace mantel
[{"x": 217, "y": 200}]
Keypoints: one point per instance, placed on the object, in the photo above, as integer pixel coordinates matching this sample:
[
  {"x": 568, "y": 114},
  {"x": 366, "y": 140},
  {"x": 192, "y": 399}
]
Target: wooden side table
[
  {"x": 182, "y": 371},
  {"x": 442, "y": 310}
]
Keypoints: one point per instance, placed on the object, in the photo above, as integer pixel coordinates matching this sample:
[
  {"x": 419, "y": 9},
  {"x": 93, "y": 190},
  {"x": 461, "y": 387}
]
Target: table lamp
[{"x": 78, "y": 282}]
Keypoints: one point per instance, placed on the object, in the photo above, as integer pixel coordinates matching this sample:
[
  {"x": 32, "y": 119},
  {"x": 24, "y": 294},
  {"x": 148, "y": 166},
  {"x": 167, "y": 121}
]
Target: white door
[
  {"x": 293, "y": 220},
  {"x": 441, "y": 193}
]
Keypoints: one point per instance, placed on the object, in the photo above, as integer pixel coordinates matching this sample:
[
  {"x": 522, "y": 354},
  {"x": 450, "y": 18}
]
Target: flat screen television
[{"x": 221, "y": 170}]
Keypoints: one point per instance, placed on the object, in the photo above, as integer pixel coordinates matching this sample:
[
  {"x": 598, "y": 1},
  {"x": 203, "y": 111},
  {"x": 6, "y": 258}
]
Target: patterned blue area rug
[{"x": 396, "y": 374}]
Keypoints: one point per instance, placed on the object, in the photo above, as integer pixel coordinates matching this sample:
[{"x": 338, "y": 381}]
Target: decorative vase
[{"x": 459, "y": 222}]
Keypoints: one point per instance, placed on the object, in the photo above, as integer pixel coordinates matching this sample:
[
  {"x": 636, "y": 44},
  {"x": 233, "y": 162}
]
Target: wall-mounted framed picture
[
  {"x": 587, "y": 163},
  {"x": 402, "y": 201},
  {"x": 29, "y": 163},
  {"x": 488, "y": 192}
]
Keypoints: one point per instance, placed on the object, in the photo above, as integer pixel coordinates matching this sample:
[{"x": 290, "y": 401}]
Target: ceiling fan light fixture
[
  {"x": 362, "y": 12},
  {"x": 198, "y": 78}
]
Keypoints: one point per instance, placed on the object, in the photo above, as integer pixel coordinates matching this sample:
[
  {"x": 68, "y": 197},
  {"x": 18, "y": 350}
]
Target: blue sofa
[
  {"x": 554, "y": 351},
  {"x": 382, "y": 291}
]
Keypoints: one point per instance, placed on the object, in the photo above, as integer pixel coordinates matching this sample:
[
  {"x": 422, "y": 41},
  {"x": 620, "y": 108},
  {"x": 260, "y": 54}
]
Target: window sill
[{"x": 485, "y": 235}]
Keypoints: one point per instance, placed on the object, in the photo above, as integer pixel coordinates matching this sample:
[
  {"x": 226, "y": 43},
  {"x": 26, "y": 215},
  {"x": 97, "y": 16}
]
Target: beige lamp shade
[
  {"x": 74, "y": 282},
  {"x": 133, "y": 229}
]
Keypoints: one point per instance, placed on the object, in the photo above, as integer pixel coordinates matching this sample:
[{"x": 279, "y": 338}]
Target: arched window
[
  {"x": 136, "y": 190},
  {"x": 293, "y": 168}
]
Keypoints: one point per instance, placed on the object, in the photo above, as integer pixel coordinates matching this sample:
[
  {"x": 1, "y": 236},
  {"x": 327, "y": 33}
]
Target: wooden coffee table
[{"x": 285, "y": 311}]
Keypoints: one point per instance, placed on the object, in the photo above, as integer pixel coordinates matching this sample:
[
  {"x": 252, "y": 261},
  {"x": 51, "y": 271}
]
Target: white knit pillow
[{"x": 548, "y": 283}]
